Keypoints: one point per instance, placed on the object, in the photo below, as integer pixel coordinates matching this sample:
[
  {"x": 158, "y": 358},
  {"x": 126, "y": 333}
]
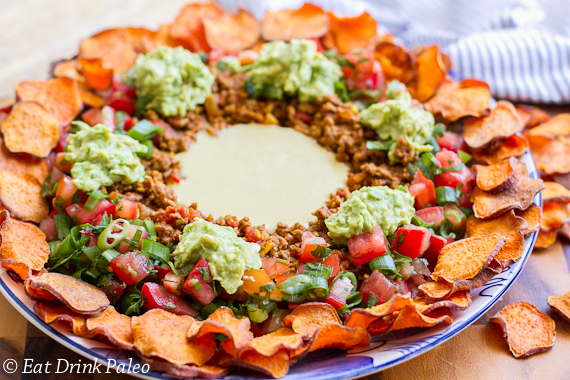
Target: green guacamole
[
  {"x": 369, "y": 207},
  {"x": 101, "y": 157},
  {"x": 292, "y": 68},
  {"x": 171, "y": 81},
  {"x": 227, "y": 254},
  {"x": 396, "y": 118}
]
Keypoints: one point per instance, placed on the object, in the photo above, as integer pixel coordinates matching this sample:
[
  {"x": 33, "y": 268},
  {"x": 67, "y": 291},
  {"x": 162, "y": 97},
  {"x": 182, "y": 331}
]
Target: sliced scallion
[
  {"x": 144, "y": 130},
  {"x": 115, "y": 237},
  {"x": 94, "y": 198},
  {"x": 444, "y": 195},
  {"x": 156, "y": 251}
]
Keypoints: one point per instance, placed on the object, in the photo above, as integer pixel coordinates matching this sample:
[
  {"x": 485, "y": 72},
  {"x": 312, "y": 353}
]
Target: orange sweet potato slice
[
  {"x": 159, "y": 333},
  {"x": 454, "y": 100},
  {"x": 503, "y": 121},
  {"x": 77, "y": 295},
  {"x": 545, "y": 239},
  {"x": 514, "y": 146},
  {"x": 366, "y": 317},
  {"x": 68, "y": 69},
  {"x": 29, "y": 128},
  {"x": 459, "y": 300},
  {"x": 411, "y": 317},
  {"x": 22, "y": 196},
  {"x": 396, "y": 62},
  {"x": 96, "y": 76},
  {"x": 430, "y": 73},
  {"x": 531, "y": 116},
  {"x": 533, "y": 217},
  {"x": 23, "y": 246},
  {"x": 51, "y": 314},
  {"x": 339, "y": 336},
  {"x": 59, "y": 96},
  {"x": 307, "y": 318},
  {"x": 114, "y": 47},
  {"x": 309, "y": 21},
  {"x": 38, "y": 294},
  {"x": 554, "y": 215},
  {"x": 185, "y": 371},
  {"x": 113, "y": 326},
  {"x": 154, "y": 40},
  {"x": 231, "y": 32},
  {"x": 527, "y": 330},
  {"x": 497, "y": 177},
  {"x": 559, "y": 125},
  {"x": 555, "y": 192},
  {"x": 23, "y": 163},
  {"x": 351, "y": 33},
  {"x": 269, "y": 344},
  {"x": 561, "y": 304},
  {"x": 551, "y": 155},
  {"x": 435, "y": 291},
  {"x": 188, "y": 29},
  {"x": 276, "y": 365}
]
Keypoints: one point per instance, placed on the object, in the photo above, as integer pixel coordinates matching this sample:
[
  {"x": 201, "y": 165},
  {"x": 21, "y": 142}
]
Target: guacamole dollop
[
  {"x": 369, "y": 207},
  {"x": 292, "y": 68},
  {"x": 101, "y": 157},
  {"x": 396, "y": 118},
  {"x": 227, "y": 254},
  {"x": 171, "y": 81}
]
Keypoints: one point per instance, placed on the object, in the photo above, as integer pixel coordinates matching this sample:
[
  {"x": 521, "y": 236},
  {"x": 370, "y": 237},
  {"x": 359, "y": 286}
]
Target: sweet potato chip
[
  {"x": 223, "y": 321},
  {"x": 497, "y": 177},
  {"x": 561, "y": 304},
  {"x": 365, "y": 317},
  {"x": 96, "y": 76},
  {"x": 269, "y": 344},
  {"x": 464, "y": 259},
  {"x": 29, "y": 128},
  {"x": 23, "y": 163},
  {"x": 559, "y": 125},
  {"x": 185, "y": 371},
  {"x": 307, "y": 318},
  {"x": 114, "y": 47},
  {"x": 38, "y": 294},
  {"x": 503, "y": 121},
  {"x": 551, "y": 155},
  {"x": 350, "y": 33},
  {"x": 59, "y": 96},
  {"x": 154, "y": 40},
  {"x": 533, "y": 217},
  {"x": 89, "y": 97},
  {"x": 555, "y": 192},
  {"x": 68, "y": 69},
  {"x": 459, "y": 300},
  {"x": 51, "y": 314},
  {"x": 531, "y": 116},
  {"x": 454, "y": 100},
  {"x": 396, "y": 62},
  {"x": 79, "y": 296},
  {"x": 554, "y": 215},
  {"x": 430, "y": 73},
  {"x": 114, "y": 326},
  {"x": 23, "y": 248},
  {"x": 545, "y": 239},
  {"x": 339, "y": 336},
  {"x": 410, "y": 317},
  {"x": 188, "y": 29},
  {"x": 309, "y": 21},
  {"x": 22, "y": 196},
  {"x": 436, "y": 291},
  {"x": 160, "y": 333},
  {"x": 519, "y": 195},
  {"x": 514, "y": 146},
  {"x": 231, "y": 32},
  {"x": 527, "y": 330},
  {"x": 276, "y": 365}
]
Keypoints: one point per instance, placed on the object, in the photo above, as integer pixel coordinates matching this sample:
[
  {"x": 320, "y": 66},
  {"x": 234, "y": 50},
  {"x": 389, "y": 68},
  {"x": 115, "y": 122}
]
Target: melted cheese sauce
[{"x": 267, "y": 173}]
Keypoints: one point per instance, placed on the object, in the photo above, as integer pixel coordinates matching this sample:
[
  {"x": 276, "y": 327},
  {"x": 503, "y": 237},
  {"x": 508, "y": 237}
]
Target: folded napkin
[{"x": 521, "y": 48}]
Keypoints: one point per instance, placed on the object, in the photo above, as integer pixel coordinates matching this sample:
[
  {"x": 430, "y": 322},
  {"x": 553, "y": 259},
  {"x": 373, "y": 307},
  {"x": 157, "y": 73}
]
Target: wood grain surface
[{"x": 34, "y": 33}]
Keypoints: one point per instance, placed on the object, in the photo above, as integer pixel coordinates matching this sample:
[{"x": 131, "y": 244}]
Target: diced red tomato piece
[
  {"x": 252, "y": 234},
  {"x": 451, "y": 141},
  {"x": 367, "y": 246},
  {"x": 198, "y": 287},
  {"x": 304, "y": 117},
  {"x": 431, "y": 215},
  {"x": 131, "y": 267},
  {"x": 84, "y": 216},
  {"x": 333, "y": 261},
  {"x": 124, "y": 246},
  {"x": 279, "y": 279},
  {"x": 157, "y": 297},
  {"x": 65, "y": 190},
  {"x": 379, "y": 286},
  {"x": 127, "y": 209},
  {"x": 455, "y": 216},
  {"x": 412, "y": 241},
  {"x": 62, "y": 142},
  {"x": 401, "y": 286},
  {"x": 309, "y": 244},
  {"x": 448, "y": 158},
  {"x": 92, "y": 116},
  {"x": 320, "y": 47},
  {"x": 274, "y": 267},
  {"x": 121, "y": 101},
  {"x": 339, "y": 293},
  {"x": 367, "y": 74},
  {"x": 61, "y": 163},
  {"x": 423, "y": 191},
  {"x": 48, "y": 228},
  {"x": 113, "y": 288},
  {"x": 173, "y": 283},
  {"x": 162, "y": 271},
  {"x": 436, "y": 245}
]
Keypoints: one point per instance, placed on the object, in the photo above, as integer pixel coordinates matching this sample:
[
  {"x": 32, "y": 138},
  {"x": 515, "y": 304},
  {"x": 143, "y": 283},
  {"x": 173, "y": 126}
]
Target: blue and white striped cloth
[{"x": 521, "y": 48}]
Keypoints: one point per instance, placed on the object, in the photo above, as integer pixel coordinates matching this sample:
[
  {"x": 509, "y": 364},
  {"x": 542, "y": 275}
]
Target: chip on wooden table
[
  {"x": 555, "y": 192},
  {"x": 21, "y": 194},
  {"x": 309, "y": 21},
  {"x": 558, "y": 125},
  {"x": 561, "y": 304},
  {"x": 503, "y": 121},
  {"x": 454, "y": 100},
  {"x": 550, "y": 154}
]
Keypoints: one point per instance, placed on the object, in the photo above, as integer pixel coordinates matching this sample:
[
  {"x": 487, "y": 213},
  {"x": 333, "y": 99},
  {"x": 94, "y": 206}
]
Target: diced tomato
[
  {"x": 124, "y": 246},
  {"x": 127, "y": 209},
  {"x": 216, "y": 54},
  {"x": 131, "y": 267},
  {"x": 199, "y": 287},
  {"x": 412, "y": 241},
  {"x": 423, "y": 191},
  {"x": 123, "y": 98},
  {"x": 173, "y": 283},
  {"x": 256, "y": 329},
  {"x": 455, "y": 216},
  {"x": 113, "y": 288},
  {"x": 62, "y": 143},
  {"x": 379, "y": 286},
  {"x": 436, "y": 245},
  {"x": 451, "y": 141},
  {"x": 304, "y": 117},
  {"x": 309, "y": 243},
  {"x": 84, "y": 216},
  {"x": 279, "y": 279},
  {"x": 273, "y": 267},
  {"x": 48, "y": 228},
  {"x": 339, "y": 293},
  {"x": 254, "y": 279},
  {"x": 333, "y": 261},
  {"x": 367, "y": 73},
  {"x": 401, "y": 286},
  {"x": 252, "y": 234},
  {"x": 275, "y": 321},
  {"x": 161, "y": 271},
  {"x": 92, "y": 116},
  {"x": 367, "y": 246},
  {"x": 320, "y": 47},
  {"x": 108, "y": 117},
  {"x": 247, "y": 56},
  {"x": 448, "y": 158},
  {"x": 157, "y": 297},
  {"x": 61, "y": 163},
  {"x": 65, "y": 190},
  {"x": 431, "y": 215}
]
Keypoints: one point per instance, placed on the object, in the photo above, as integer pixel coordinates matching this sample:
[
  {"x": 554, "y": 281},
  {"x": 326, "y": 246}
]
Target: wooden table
[{"x": 34, "y": 33}]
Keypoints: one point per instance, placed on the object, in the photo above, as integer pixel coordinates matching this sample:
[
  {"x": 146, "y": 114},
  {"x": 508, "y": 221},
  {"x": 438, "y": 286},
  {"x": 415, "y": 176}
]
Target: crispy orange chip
[
  {"x": 159, "y": 333},
  {"x": 508, "y": 225},
  {"x": 533, "y": 217},
  {"x": 436, "y": 291},
  {"x": 23, "y": 248},
  {"x": 22, "y": 196},
  {"x": 29, "y": 128},
  {"x": 307, "y": 318},
  {"x": 23, "y": 163},
  {"x": 68, "y": 69},
  {"x": 339, "y": 336},
  {"x": 276, "y": 365},
  {"x": 454, "y": 100},
  {"x": 59, "y": 96},
  {"x": 554, "y": 215},
  {"x": 114, "y": 326},
  {"x": 154, "y": 40},
  {"x": 459, "y": 300},
  {"x": 497, "y": 177},
  {"x": 531, "y": 116},
  {"x": 96, "y": 76},
  {"x": 545, "y": 239},
  {"x": 559, "y": 125},
  {"x": 551, "y": 155},
  {"x": 309, "y": 21},
  {"x": 185, "y": 371},
  {"x": 555, "y": 192},
  {"x": 366, "y": 317},
  {"x": 502, "y": 121},
  {"x": 79, "y": 296},
  {"x": 561, "y": 304},
  {"x": 464, "y": 259},
  {"x": 231, "y": 32},
  {"x": 396, "y": 62},
  {"x": 527, "y": 330},
  {"x": 350, "y": 33},
  {"x": 38, "y": 294},
  {"x": 188, "y": 29},
  {"x": 269, "y": 344},
  {"x": 223, "y": 321},
  {"x": 410, "y": 317},
  {"x": 114, "y": 47},
  {"x": 514, "y": 146},
  {"x": 89, "y": 97},
  {"x": 51, "y": 314},
  {"x": 430, "y": 72}
]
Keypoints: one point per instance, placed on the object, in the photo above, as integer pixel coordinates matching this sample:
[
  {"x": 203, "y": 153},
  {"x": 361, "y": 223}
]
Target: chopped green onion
[
  {"x": 211, "y": 307},
  {"x": 316, "y": 269},
  {"x": 354, "y": 299},
  {"x": 296, "y": 298},
  {"x": 257, "y": 315},
  {"x": 150, "y": 228},
  {"x": 156, "y": 251},
  {"x": 137, "y": 222},
  {"x": 144, "y": 130},
  {"x": 445, "y": 194},
  {"x": 94, "y": 198},
  {"x": 319, "y": 289},
  {"x": 115, "y": 237},
  {"x": 464, "y": 156},
  {"x": 63, "y": 224},
  {"x": 384, "y": 264},
  {"x": 120, "y": 121},
  {"x": 348, "y": 275},
  {"x": 433, "y": 142},
  {"x": 379, "y": 145},
  {"x": 150, "y": 147},
  {"x": 418, "y": 222},
  {"x": 297, "y": 284},
  {"x": 401, "y": 259},
  {"x": 136, "y": 239},
  {"x": 53, "y": 245},
  {"x": 110, "y": 254},
  {"x": 91, "y": 252}
]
